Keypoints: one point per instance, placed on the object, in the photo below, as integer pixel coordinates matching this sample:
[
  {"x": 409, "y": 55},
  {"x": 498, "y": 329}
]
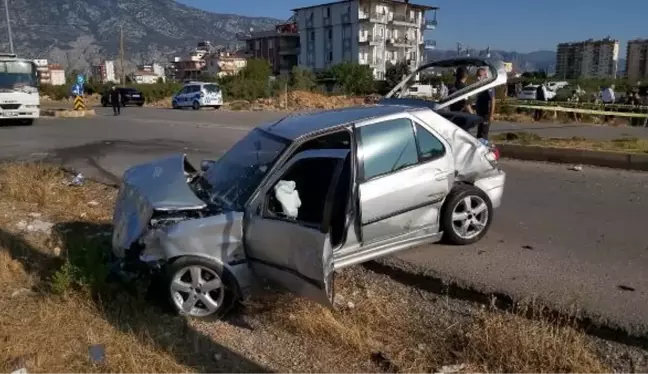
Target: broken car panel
[{"x": 296, "y": 200}]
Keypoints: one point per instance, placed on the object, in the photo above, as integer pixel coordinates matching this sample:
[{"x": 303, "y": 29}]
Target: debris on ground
[
  {"x": 97, "y": 353},
  {"x": 77, "y": 180},
  {"x": 35, "y": 226},
  {"x": 576, "y": 168}
]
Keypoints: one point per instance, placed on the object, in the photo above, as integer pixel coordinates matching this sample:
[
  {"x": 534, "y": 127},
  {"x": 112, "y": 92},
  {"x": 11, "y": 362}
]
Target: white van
[{"x": 197, "y": 95}]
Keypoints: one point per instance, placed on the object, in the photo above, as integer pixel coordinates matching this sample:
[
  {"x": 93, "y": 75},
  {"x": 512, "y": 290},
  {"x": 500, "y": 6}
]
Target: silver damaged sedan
[{"x": 295, "y": 200}]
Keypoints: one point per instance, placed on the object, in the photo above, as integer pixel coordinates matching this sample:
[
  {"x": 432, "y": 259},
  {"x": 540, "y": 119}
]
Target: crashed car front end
[{"x": 162, "y": 214}]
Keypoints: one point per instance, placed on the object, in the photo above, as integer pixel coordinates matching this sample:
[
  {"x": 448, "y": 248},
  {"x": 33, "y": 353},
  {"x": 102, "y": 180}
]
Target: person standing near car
[
  {"x": 461, "y": 76},
  {"x": 484, "y": 106},
  {"x": 115, "y": 100}
]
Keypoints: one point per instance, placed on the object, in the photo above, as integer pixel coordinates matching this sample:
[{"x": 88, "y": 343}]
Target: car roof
[
  {"x": 196, "y": 83},
  {"x": 296, "y": 125}
]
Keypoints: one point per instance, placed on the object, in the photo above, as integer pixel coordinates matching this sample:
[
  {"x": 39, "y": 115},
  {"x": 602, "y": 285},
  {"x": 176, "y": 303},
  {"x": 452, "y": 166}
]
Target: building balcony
[
  {"x": 326, "y": 21},
  {"x": 346, "y": 17},
  {"x": 402, "y": 42},
  {"x": 404, "y": 19},
  {"x": 287, "y": 51},
  {"x": 372, "y": 17},
  {"x": 430, "y": 44},
  {"x": 430, "y": 24},
  {"x": 370, "y": 39}
]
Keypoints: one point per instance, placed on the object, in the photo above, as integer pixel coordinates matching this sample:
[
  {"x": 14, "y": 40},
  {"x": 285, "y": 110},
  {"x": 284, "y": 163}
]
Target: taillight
[{"x": 496, "y": 152}]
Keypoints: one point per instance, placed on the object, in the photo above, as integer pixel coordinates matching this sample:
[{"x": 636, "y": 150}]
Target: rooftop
[
  {"x": 419, "y": 6},
  {"x": 296, "y": 125}
]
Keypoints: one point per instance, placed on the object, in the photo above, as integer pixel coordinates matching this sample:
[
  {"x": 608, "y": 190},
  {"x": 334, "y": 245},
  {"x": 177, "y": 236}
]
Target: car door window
[
  {"x": 387, "y": 147},
  {"x": 429, "y": 146}
]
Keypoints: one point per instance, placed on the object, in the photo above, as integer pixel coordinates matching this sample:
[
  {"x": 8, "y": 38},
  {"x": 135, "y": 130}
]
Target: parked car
[
  {"x": 529, "y": 93},
  {"x": 197, "y": 95},
  {"x": 298, "y": 199},
  {"x": 129, "y": 96}
]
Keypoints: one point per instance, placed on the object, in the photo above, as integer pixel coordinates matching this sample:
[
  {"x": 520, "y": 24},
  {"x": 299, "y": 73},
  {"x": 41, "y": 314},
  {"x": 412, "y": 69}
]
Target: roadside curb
[
  {"x": 617, "y": 160},
  {"x": 67, "y": 113}
]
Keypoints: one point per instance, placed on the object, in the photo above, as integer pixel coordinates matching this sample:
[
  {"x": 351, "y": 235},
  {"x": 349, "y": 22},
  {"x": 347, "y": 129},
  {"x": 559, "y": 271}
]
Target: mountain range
[{"x": 79, "y": 33}]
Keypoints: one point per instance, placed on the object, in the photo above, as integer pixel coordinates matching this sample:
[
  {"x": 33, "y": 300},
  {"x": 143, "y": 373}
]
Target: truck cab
[{"x": 19, "y": 96}]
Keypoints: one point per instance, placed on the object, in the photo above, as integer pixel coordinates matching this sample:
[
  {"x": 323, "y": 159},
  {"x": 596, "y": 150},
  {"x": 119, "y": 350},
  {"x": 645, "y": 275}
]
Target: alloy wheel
[{"x": 197, "y": 291}]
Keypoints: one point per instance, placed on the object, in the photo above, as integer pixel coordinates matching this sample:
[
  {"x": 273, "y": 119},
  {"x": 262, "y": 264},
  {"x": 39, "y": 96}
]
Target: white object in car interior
[{"x": 288, "y": 196}]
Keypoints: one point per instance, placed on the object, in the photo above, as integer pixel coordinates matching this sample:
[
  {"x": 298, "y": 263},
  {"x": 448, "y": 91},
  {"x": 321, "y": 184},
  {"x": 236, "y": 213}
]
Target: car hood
[{"x": 160, "y": 185}]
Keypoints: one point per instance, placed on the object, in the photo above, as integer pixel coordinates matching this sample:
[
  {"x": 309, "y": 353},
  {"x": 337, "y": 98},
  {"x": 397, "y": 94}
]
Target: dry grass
[
  {"x": 627, "y": 145},
  {"x": 379, "y": 321}
]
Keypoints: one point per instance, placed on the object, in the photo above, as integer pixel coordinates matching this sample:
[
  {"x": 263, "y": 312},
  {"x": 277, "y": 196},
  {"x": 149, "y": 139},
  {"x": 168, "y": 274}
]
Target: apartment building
[
  {"x": 588, "y": 59},
  {"x": 221, "y": 64},
  {"x": 637, "y": 60},
  {"x": 279, "y": 46},
  {"x": 370, "y": 32},
  {"x": 105, "y": 72}
]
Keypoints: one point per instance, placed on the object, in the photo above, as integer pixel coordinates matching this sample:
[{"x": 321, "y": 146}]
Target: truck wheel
[{"x": 466, "y": 215}]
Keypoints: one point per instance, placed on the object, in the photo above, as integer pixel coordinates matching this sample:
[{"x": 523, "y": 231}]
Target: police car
[{"x": 197, "y": 95}]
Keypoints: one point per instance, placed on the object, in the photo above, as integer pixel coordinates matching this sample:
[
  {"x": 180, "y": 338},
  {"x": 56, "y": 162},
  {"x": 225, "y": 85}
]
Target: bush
[
  {"x": 251, "y": 83},
  {"x": 302, "y": 79},
  {"x": 396, "y": 72},
  {"x": 353, "y": 79}
]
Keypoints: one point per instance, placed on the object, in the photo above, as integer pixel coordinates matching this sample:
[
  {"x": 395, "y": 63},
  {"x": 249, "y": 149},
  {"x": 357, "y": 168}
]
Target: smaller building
[
  {"x": 146, "y": 77},
  {"x": 224, "y": 63},
  {"x": 104, "y": 72},
  {"x": 43, "y": 71},
  {"x": 56, "y": 74},
  {"x": 280, "y": 47},
  {"x": 637, "y": 60},
  {"x": 508, "y": 66},
  {"x": 156, "y": 69}
]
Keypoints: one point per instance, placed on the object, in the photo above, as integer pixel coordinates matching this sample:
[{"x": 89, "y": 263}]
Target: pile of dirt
[{"x": 312, "y": 100}]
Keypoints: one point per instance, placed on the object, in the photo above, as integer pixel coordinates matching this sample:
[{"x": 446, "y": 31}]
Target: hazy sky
[{"x": 520, "y": 25}]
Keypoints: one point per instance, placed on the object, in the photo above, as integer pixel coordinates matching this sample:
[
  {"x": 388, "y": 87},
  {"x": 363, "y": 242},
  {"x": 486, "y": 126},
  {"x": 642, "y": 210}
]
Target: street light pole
[{"x": 11, "y": 46}]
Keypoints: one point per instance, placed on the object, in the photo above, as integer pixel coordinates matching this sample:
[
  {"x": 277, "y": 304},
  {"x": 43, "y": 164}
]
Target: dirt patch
[
  {"x": 59, "y": 314},
  {"x": 626, "y": 145}
]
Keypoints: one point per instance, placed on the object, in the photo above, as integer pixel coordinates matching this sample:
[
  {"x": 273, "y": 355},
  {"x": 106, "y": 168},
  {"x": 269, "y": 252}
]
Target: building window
[
  {"x": 330, "y": 34},
  {"x": 311, "y": 36},
  {"x": 257, "y": 44},
  {"x": 270, "y": 43},
  {"x": 328, "y": 12},
  {"x": 330, "y": 56}
]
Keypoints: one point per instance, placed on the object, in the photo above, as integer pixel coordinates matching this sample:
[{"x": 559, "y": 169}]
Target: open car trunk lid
[
  {"x": 159, "y": 185},
  {"x": 497, "y": 77}
]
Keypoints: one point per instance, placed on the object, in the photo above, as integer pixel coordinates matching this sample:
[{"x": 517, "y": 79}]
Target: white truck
[{"x": 19, "y": 97}]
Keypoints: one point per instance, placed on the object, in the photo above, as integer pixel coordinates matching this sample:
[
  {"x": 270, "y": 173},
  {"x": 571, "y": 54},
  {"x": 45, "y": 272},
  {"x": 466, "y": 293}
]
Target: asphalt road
[{"x": 565, "y": 236}]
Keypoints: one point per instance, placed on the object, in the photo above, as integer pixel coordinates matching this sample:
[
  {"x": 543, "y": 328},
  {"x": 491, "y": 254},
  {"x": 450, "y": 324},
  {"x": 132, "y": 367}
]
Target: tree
[
  {"x": 396, "y": 72},
  {"x": 353, "y": 79}
]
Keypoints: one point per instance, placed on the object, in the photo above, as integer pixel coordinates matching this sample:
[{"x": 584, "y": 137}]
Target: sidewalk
[{"x": 568, "y": 130}]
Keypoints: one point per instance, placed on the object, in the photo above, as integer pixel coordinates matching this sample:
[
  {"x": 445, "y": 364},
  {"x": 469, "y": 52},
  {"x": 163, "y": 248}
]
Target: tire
[
  {"x": 480, "y": 216},
  {"x": 196, "y": 105},
  {"x": 175, "y": 280},
  {"x": 140, "y": 104},
  {"x": 216, "y": 107},
  {"x": 174, "y": 105},
  {"x": 28, "y": 122}
]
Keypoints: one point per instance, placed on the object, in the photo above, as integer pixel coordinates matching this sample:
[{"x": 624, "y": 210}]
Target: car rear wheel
[
  {"x": 198, "y": 287},
  {"x": 27, "y": 122},
  {"x": 174, "y": 105},
  {"x": 216, "y": 107},
  {"x": 196, "y": 105},
  {"x": 140, "y": 104},
  {"x": 466, "y": 215}
]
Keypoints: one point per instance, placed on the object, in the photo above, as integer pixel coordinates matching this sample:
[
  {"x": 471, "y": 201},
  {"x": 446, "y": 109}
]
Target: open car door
[
  {"x": 291, "y": 246},
  {"x": 496, "y": 76}
]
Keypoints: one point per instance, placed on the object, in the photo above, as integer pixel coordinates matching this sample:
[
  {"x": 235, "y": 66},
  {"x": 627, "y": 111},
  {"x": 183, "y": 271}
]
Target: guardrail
[{"x": 554, "y": 108}]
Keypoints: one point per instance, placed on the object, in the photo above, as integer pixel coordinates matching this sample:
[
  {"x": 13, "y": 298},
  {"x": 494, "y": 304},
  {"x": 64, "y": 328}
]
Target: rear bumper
[{"x": 493, "y": 185}]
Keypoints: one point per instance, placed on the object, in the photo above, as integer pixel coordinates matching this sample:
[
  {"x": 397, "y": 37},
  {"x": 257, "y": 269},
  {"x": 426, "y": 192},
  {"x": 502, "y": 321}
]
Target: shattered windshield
[
  {"x": 235, "y": 176},
  {"x": 16, "y": 74}
]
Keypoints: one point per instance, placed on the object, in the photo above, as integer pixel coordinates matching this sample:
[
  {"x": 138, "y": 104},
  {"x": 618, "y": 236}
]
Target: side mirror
[{"x": 206, "y": 164}]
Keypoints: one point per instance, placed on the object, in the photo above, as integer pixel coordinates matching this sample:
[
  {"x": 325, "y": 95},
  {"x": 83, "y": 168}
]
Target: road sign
[
  {"x": 77, "y": 90},
  {"x": 78, "y": 103},
  {"x": 80, "y": 80}
]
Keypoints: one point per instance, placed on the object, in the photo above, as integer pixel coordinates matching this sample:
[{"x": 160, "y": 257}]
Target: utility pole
[
  {"x": 11, "y": 46},
  {"x": 121, "y": 54}
]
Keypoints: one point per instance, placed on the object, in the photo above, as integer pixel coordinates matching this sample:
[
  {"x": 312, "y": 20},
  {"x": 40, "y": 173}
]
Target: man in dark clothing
[
  {"x": 460, "y": 83},
  {"x": 484, "y": 106},
  {"x": 540, "y": 96},
  {"x": 115, "y": 100}
]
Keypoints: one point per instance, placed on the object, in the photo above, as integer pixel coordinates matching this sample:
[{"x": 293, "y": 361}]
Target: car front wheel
[
  {"x": 466, "y": 216},
  {"x": 198, "y": 287},
  {"x": 196, "y": 105}
]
